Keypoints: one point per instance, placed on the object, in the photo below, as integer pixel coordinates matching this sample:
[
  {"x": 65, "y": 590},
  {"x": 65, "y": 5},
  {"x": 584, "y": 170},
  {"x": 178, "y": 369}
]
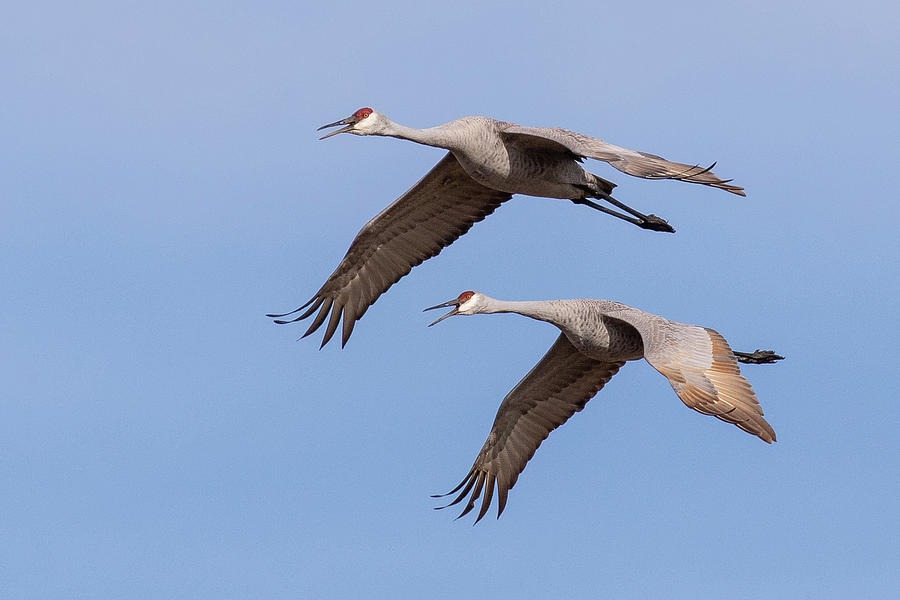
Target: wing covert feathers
[
  {"x": 709, "y": 381},
  {"x": 417, "y": 226},
  {"x": 556, "y": 388}
]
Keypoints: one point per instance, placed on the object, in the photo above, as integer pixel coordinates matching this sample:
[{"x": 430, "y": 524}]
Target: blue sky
[{"x": 163, "y": 188}]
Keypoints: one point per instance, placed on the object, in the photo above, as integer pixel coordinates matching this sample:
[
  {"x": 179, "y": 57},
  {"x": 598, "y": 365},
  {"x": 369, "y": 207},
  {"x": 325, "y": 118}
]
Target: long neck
[
  {"x": 542, "y": 310},
  {"x": 439, "y": 137}
]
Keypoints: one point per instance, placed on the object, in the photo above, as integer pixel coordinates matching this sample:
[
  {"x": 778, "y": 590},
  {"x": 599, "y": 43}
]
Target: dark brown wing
[
  {"x": 633, "y": 162},
  {"x": 556, "y": 388},
  {"x": 418, "y": 225}
]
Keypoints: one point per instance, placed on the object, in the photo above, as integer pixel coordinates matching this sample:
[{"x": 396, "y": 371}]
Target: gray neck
[
  {"x": 542, "y": 310},
  {"x": 439, "y": 137}
]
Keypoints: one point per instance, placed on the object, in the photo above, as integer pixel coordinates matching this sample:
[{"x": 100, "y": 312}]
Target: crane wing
[
  {"x": 702, "y": 369},
  {"x": 633, "y": 162},
  {"x": 417, "y": 226},
  {"x": 556, "y": 388}
]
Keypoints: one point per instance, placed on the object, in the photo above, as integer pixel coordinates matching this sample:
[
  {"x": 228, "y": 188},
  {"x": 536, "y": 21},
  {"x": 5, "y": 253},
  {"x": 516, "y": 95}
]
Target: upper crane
[{"x": 488, "y": 161}]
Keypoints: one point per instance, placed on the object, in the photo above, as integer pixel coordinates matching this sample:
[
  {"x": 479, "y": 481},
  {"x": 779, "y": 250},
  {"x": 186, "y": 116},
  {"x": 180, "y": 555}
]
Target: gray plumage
[
  {"x": 598, "y": 337},
  {"x": 488, "y": 162}
]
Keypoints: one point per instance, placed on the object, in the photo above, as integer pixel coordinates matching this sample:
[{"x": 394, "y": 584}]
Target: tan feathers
[{"x": 718, "y": 388}]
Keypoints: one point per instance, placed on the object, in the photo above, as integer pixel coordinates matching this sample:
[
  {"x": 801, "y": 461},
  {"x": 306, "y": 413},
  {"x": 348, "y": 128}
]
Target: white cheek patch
[
  {"x": 468, "y": 305},
  {"x": 364, "y": 126}
]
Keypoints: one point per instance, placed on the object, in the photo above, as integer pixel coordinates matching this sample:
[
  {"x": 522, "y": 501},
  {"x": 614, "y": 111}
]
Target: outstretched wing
[
  {"x": 702, "y": 369},
  {"x": 633, "y": 162},
  {"x": 556, "y": 388},
  {"x": 429, "y": 217}
]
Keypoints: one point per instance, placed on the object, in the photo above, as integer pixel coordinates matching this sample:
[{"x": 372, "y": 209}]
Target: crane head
[
  {"x": 462, "y": 305},
  {"x": 355, "y": 123}
]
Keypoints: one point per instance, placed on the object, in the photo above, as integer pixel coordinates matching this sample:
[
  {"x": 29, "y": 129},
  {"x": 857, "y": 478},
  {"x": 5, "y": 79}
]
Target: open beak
[
  {"x": 454, "y": 303},
  {"x": 349, "y": 122}
]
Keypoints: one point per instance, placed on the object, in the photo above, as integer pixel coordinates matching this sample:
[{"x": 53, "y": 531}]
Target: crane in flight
[
  {"x": 598, "y": 337},
  {"x": 488, "y": 161}
]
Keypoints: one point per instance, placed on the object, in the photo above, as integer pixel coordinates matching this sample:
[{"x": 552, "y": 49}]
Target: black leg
[{"x": 651, "y": 222}]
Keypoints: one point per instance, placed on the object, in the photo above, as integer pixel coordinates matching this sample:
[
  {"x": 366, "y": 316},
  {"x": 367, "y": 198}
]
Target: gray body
[{"x": 510, "y": 163}]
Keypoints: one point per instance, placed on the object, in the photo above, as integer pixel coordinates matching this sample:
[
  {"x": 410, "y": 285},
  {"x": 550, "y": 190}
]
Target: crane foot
[
  {"x": 758, "y": 357},
  {"x": 654, "y": 223}
]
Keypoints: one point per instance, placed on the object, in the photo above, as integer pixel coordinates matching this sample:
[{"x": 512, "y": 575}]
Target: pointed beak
[
  {"x": 349, "y": 122},
  {"x": 454, "y": 303}
]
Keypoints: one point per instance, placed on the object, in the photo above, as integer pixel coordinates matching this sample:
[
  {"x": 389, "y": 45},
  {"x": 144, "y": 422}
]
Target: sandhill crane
[
  {"x": 598, "y": 337},
  {"x": 488, "y": 161}
]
